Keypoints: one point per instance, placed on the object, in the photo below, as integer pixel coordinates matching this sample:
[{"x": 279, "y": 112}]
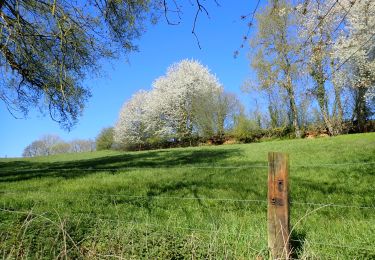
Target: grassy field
[{"x": 198, "y": 203}]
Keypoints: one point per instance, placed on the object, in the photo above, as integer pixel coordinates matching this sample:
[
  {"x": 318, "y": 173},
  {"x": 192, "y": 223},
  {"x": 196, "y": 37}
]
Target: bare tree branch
[
  {"x": 166, "y": 10},
  {"x": 2, "y": 2},
  {"x": 200, "y": 8},
  {"x": 250, "y": 24}
]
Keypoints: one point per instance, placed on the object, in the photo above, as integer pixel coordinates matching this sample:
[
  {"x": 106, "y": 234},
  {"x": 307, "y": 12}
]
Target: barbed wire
[
  {"x": 332, "y": 205},
  {"x": 332, "y": 164},
  {"x": 186, "y": 167},
  {"x": 140, "y": 168},
  {"x": 327, "y": 204},
  {"x": 333, "y": 245}
]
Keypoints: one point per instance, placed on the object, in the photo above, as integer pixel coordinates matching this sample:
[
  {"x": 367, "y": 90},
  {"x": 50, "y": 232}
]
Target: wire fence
[
  {"x": 187, "y": 167},
  {"x": 213, "y": 231},
  {"x": 157, "y": 197},
  {"x": 207, "y": 231},
  {"x": 204, "y": 167}
]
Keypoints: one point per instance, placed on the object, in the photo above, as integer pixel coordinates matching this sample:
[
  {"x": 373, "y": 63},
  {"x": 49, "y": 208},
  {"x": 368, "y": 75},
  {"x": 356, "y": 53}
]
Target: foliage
[
  {"x": 104, "y": 141},
  {"x": 186, "y": 104},
  {"x": 313, "y": 56},
  {"x": 356, "y": 46},
  {"x": 82, "y": 145},
  {"x": 48, "y": 47},
  {"x": 184, "y": 100},
  {"x": 318, "y": 59},
  {"x": 245, "y": 130},
  {"x": 133, "y": 126},
  {"x": 275, "y": 49},
  {"x": 53, "y": 144},
  {"x": 43, "y": 146},
  {"x": 89, "y": 205}
]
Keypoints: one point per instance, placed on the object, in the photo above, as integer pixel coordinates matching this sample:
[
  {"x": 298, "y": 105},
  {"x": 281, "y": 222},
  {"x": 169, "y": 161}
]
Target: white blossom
[
  {"x": 182, "y": 103},
  {"x": 131, "y": 128},
  {"x": 356, "y": 45}
]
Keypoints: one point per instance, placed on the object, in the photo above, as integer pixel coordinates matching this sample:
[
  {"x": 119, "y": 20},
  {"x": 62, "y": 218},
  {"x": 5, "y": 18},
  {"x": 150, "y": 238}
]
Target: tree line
[
  {"x": 53, "y": 144},
  {"x": 314, "y": 61},
  {"x": 314, "y": 66}
]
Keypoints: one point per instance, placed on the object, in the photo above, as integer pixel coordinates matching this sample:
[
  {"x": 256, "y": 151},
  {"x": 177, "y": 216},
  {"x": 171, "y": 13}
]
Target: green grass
[{"x": 128, "y": 205}]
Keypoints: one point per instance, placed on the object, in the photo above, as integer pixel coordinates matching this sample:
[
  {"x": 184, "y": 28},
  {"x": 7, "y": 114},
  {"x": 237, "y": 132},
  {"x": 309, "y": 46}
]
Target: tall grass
[{"x": 203, "y": 202}]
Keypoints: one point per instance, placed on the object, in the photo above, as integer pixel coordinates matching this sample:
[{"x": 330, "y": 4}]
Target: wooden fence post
[{"x": 278, "y": 206}]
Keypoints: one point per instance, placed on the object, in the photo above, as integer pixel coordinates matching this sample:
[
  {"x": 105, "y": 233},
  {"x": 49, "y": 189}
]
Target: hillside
[{"x": 201, "y": 202}]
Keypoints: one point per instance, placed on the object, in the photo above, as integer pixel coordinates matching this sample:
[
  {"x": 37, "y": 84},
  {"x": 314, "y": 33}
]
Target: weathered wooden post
[{"x": 278, "y": 206}]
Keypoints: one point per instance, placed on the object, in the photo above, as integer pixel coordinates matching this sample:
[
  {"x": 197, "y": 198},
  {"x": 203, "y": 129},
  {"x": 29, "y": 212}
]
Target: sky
[{"x": 159, "y": 47}]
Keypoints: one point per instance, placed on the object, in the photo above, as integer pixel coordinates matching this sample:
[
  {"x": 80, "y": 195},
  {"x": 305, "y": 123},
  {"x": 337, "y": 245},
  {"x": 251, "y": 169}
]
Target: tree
[
  {"x": 244, "y": 128},
  {"x": 355, "y": 54},
  {"x": 132, "y": 128},
  {"x": 53, "y": 144},
  {"x": 318, "y": 23},
  {"x": 49, "y": 142},
  {"x": 60, "y": 148},
  {"x": 36, "y": 148},
  {"x": 104, "y": 141},
  {"x": 82, "y": 145},
  {"x": 48, "y": 47},
  {"x": 275, "y": 50},
  {"x": 42, "y": 147},
  {"x": 186, "y": 103},
  {"x": 228, "y": 107},
  {"x": 185, "y": 100}
]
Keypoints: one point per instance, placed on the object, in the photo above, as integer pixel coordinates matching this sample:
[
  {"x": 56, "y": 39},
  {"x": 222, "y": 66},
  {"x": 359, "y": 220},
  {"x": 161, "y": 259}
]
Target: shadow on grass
[
  {"x": 24, "y": 170},
  {"x": 197, "y": 190},
  {"x": 297, "y": 240}
]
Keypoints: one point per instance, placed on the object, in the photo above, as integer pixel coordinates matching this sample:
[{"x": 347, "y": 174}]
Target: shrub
[{"x": 104, "y": 141}]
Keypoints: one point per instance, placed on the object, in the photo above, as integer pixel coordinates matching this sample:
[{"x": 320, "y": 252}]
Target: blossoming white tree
[
  {"x": 338, "y": 50},
  {"x": 131, "y": 128},
  {"x": 185, "y": 103},
  {"x": 355, "y": 50},
  {"x": 318, "y": 24},
  {"x": 184, "y": 100}
]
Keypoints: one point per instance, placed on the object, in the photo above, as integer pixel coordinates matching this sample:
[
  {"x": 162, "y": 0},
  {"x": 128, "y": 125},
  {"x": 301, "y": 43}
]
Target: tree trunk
[
  {"x": 293, "y": 108},
  {"x": 317, "y": 73},
  {"x": 338, "y": 111},
  {"x": 360, "y": 110},
  {"x": 322, "y": 101}
]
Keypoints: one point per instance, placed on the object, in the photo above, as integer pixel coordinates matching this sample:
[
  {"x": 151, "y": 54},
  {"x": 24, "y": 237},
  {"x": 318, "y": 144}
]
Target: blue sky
[{"x": 160, "y": 46}]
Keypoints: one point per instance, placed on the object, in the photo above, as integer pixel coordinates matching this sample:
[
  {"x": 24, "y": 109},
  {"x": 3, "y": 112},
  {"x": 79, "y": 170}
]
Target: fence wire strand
[
  {"x": 323, "y": 165},
  {"x": 326, "y": 204},
  {"x": 332, "y": 245}
]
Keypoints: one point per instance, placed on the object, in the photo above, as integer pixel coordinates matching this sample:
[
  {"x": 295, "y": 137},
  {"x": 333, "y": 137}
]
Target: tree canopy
[
  {"x": 47, "y": 48},
  {"x": 187, "y": 102}
]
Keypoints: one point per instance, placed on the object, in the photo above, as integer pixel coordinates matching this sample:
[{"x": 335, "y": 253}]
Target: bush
[
  {"x": 104, "y": 141},
  {"x": 246, "y": 130}
]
